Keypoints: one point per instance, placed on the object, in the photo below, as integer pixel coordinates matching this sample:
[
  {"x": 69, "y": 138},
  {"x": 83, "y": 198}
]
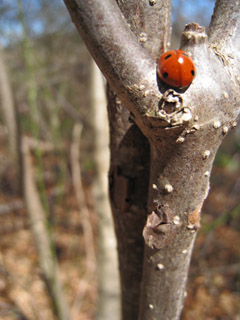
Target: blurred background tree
[{"x": 57, "y": 83}]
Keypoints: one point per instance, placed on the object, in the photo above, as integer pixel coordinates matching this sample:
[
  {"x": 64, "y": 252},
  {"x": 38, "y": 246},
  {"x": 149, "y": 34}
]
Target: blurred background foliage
[{"x": 49, "y": 69}]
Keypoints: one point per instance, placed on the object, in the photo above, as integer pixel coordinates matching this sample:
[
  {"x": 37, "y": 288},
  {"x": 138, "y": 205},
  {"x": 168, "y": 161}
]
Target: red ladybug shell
[{"x": 176, "y": 68}]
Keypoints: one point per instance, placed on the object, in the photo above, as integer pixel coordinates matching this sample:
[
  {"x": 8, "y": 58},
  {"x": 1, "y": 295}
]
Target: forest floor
[{"x": 214, "y": 282}]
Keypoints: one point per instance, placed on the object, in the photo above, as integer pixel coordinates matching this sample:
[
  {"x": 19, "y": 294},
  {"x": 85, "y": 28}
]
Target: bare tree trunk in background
[
  {"x": 108, "y": 273},
  {"x": 42, "y": 236},
  {"x": 161, "y": 164},
  {"x": 8, "y": 110},
  {"x": 88, "y": 236}
]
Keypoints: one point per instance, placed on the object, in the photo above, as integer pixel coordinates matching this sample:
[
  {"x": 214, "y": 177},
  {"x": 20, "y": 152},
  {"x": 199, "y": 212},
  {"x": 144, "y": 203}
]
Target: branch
[
  {"x": 150, "y": 21},
  {"x": 217, "y": 76},
  {"x": 225, "y": 21},
  {"x": 126, "y": 65},
  {"x": 224, "y": 30}
]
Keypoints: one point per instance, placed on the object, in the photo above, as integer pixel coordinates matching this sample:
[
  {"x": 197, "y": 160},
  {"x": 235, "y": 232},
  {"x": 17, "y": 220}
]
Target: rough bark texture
[{"x": 183, "y": 128}]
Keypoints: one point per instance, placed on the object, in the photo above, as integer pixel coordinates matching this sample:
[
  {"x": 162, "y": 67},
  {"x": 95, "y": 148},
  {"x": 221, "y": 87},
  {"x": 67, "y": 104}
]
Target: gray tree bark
[{"x": 161, "y": 164}]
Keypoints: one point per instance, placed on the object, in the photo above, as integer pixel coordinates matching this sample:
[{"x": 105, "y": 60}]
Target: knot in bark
[
  {"x": 160, "y": 228},
  {"x": 172, "y": 110}
]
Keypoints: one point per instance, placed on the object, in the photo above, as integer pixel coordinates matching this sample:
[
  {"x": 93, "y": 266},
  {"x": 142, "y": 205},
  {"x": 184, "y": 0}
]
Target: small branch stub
[
  {"x": 193, "y": 34},
  {"x": 172, "y": 110}
]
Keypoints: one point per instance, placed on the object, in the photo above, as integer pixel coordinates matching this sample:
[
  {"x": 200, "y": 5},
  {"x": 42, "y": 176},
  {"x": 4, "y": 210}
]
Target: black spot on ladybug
[
  {"x": 165, "y": 75},
  {"x": 167, "y": 57},
  {"x": 192, "y": 72}
]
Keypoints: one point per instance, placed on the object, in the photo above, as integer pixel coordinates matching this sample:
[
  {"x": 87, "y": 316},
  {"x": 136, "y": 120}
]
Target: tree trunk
[
  {"x": 42, "y": 236},
  {"x": 8, "y": 110},
  {"x": 128, "y": 191},
  {"x": 108, "y": 271},
  {"x": 161, "y": 164}
]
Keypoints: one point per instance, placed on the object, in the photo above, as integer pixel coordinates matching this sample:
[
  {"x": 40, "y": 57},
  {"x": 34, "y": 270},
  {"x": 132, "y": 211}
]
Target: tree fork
[
  {"x": 130, "y": 157},
  {"x": 183, "y": 141}
]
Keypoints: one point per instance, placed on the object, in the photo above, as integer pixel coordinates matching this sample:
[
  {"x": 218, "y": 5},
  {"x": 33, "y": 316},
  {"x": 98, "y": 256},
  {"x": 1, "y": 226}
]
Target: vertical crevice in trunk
[{"x": 129, "y": 174}]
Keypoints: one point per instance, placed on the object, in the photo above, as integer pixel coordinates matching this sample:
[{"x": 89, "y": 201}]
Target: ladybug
[{"x": 176, "y": 68}]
